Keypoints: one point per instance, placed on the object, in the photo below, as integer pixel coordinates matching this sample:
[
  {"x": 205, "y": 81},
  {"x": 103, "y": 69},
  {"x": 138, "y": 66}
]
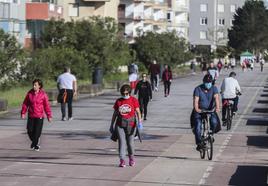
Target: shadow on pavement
[
  {"x": 264, "y": 95},
  {"x": 81, "y": 135},
  {"x": 258, "y": 141},
  {"x": 261, "y": 110},
  {"x": 255, "y": 122},
  {"x": 61, "y": 163},
  {"x": 263, "y": 101},
  {"x": 249, "y": 176}
]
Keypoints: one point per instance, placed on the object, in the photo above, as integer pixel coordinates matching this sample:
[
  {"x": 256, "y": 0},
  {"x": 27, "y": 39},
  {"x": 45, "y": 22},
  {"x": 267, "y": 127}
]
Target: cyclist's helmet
[
  {"x": 232, "y": 74},
  {"x": 207, "y": 78}
]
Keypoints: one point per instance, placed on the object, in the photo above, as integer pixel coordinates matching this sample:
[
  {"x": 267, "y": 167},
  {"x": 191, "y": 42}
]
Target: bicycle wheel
[
  {"x": 210, "y": 148},
  {"x": 229, "y": 120}
]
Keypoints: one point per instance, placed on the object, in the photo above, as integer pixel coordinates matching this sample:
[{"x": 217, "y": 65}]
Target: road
[{"x": 79, "y": 152}]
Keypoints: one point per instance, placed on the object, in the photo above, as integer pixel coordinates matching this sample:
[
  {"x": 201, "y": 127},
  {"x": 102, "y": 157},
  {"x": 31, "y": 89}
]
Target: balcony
[
  {"x": 182, "y": 8},
  {"x": 155, "y": 5},
  {"x": 96, "y": 0},
  {"x": 43, "y": 11},
  {"x": 180, "y": 24}
]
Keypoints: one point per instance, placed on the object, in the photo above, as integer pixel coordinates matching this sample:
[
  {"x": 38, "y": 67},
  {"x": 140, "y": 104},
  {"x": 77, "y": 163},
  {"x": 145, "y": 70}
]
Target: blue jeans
[{"x": 198, "y": 125}]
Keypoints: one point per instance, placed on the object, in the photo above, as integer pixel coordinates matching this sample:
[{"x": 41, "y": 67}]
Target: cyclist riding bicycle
[
  {"x": 206, "y": 97},
  {"x": 213, "y": 71},
  {"x": 229, "y": 91}
]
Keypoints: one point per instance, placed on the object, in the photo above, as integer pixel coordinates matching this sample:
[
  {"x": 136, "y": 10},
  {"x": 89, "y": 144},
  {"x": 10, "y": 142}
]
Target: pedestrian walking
[
  {"x": 133, "y": 76},
  {"x": 262, "y": 62},
  {"x": 124, "y": 123},
  {"x": 154, "y": 71},
  {"x": 219, "y": 65},
  {"x": 144, "y": 91},
  {"x": 167, "y": 78},
  {"x": 36, "y": 104},
  {"x": 193, "y": 66},
  {"x": 204, "y": 67},
  {"x": 67, "y": 86}
]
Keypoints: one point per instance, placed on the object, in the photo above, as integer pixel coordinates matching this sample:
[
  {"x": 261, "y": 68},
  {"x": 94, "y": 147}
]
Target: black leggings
[
  {"x": 143, "y": 106},
  {"x": 167, "y": 87},
  {"x": 34, "y": 129}
]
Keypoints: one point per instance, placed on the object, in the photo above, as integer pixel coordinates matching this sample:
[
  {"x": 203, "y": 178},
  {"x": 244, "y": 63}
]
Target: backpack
[{"x": 131, "y": 69}]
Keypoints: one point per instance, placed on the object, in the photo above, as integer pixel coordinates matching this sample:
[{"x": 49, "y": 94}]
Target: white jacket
[{"x": 229, "y": 88}]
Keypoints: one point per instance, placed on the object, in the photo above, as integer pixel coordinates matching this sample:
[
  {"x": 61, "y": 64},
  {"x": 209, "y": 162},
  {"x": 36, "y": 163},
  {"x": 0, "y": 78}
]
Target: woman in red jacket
[
  {"x": 167, "y": 78},
  {"x": 36, "y": 103}
]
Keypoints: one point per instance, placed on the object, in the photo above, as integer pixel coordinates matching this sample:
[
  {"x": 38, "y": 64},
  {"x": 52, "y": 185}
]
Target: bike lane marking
[{"x": 228, "y": 138}]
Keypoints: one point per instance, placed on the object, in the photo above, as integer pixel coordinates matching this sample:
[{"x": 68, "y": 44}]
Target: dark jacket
[
  {"x": 144, "y": 89},
  {"x": 167, "y": 75}
]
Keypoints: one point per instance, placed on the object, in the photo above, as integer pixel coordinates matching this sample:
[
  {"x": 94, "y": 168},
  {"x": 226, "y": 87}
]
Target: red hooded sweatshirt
[{"x": 37, "y": 104}]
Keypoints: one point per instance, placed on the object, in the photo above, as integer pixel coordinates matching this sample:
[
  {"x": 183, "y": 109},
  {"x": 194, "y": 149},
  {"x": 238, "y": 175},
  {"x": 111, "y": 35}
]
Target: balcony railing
[{"x": 43, "y": 11}]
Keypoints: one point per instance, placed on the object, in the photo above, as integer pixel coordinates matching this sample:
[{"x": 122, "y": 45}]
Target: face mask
[
  {"x": 144, "y": 79},
  {"x": 126, "y": 97},
  {"x": 208, "y": 85}
]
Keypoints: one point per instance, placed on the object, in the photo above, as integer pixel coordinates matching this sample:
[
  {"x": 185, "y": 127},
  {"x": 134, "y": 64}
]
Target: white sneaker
[{"x": 70, "y": 119}]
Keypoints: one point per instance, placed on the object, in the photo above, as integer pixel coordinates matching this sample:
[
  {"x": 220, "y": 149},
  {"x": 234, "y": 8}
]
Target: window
[
  {"x": 231, "y": 22},
  {"x": 203, "y": 35},
  {"x": 221, "y": 22},
  {"x": 232, "y": 8},
  {"x": 73, "y": 10},
  {"x": 220, "y": 8},
  {"x": 4, "y": 10},
  {"x": 203, "y": 8},
  {"x": 203, "y": 21},
  {"x": 169, "y": 16}
]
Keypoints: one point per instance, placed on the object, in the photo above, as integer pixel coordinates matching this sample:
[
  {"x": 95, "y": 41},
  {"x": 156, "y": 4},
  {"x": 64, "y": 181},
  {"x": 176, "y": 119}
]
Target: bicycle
[
  {"x": 229, "y": 113},
  {"x": 207, "y": 137}
]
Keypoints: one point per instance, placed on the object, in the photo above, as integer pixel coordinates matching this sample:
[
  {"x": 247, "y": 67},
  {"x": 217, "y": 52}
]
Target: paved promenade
[{"x": 80, "y": 153}]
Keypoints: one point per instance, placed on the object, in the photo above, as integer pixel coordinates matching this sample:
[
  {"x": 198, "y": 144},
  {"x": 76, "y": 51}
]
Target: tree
[
  {"x": 250, "y": 28},
  {"x": 96, "y": 38},
  {"x": 165, "y": 48},
  {"x": 12, "y": 59},
  {"x": 48, "y": 63}
]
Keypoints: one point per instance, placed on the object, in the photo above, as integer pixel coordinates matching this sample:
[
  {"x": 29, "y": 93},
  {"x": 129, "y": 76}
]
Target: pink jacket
[{"x": 36, "y": 104}]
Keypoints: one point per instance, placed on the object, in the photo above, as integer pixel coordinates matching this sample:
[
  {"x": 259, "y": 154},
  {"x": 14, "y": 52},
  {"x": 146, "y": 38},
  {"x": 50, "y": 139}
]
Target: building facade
[
  {"x": 12, "y": 18},
  {"x": 178, "y": 17},
  {"x": 210, "y": 20},
  {"x": 138, "y": 16},
  {"x": 81, "y": 9},
  {"x": 38, "y": 12}
]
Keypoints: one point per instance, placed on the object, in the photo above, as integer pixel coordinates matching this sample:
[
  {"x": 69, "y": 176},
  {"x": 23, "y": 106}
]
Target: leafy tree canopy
[{"x": 250, "y": 28}]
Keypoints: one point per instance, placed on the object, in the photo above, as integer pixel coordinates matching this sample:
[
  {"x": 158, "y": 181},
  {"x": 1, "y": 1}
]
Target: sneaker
[
  {"x": 131, "y": 161},
  {"x": 122, "y": 163},
  {"x": 70, "y": 119},
  {"x": 199, "y": 146},
  {"x": 63, "y": 119},
  {"x": 165, "y": 95},
  {"x": 32, "y": 146},
  {"x": 144, "y": 118},
  {"x": 234, "y": 113},
  {"x": 37, "y": 148}
]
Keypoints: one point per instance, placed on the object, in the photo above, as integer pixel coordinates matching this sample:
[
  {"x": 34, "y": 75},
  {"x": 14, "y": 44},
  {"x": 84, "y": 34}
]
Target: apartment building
[
  {"x": 81, "y": 9},
  {"x": 138, "y": 16},
  {"x": 178, "y": 17},
  {"x": 12, "y": 18},
  {"x": 38, "y": 12},
  {"x": 210, "y": 20}
]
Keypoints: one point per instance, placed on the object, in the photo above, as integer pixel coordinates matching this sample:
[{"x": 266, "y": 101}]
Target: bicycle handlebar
[{"x": 207, "y": 111}]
